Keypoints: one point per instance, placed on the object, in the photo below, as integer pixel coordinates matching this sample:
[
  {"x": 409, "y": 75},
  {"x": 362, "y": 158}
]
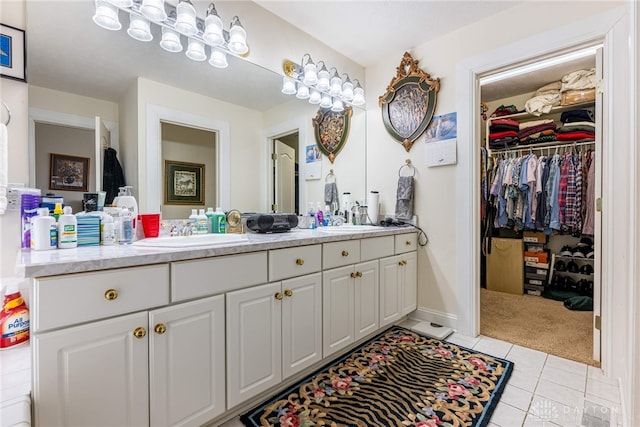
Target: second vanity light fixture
[
  {"x": 177, "y": 21},
  {"x": 320, "y": 86}
]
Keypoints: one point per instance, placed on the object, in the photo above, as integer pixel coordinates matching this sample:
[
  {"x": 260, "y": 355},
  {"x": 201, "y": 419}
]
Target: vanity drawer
[
  {"x": 292, "y": 262},
  {"x": 66, "y": 300},
  {"x": 406, "y": 242},
  {"x": 376, "y": 247},
  {"x": 210, "y": 276},
  {"x": 337, "y": 254}
]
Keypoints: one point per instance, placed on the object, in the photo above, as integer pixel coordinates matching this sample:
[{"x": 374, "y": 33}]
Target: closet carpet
[{"x": 537, "y": 323}]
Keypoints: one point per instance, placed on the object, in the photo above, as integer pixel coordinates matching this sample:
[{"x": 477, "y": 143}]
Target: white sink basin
[
  {"x": 186, "y": 241},
  {"x": 349, "y": 228}
]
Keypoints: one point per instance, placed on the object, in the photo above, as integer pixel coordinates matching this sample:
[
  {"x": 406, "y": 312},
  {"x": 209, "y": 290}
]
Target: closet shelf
[
  {"x": 541, "y": 146},
  {"x": 575, "y": 258},
  {"x": 554, "y": 110}
]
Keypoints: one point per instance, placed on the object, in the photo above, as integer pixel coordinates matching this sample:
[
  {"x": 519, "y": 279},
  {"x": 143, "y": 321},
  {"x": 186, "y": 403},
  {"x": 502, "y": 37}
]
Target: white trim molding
[{"x": 434, "y": 316}]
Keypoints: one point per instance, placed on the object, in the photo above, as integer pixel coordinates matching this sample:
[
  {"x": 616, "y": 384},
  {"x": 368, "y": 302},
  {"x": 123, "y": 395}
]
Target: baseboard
[{"x": 435, "y": 316}]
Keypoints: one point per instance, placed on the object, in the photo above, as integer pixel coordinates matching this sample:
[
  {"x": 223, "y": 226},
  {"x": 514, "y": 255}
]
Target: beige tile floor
[{"x": 544, "y": 390}]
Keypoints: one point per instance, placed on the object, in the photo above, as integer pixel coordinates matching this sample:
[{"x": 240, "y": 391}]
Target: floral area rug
[{"x": 398, "y": 378}]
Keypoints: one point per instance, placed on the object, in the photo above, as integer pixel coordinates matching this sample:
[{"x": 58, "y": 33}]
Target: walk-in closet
[{"x": 541, "y": 179}]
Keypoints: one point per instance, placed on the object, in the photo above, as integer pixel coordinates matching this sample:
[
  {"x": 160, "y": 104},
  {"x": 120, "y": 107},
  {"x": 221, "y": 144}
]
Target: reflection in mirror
[{"x": 109, "y": 75}]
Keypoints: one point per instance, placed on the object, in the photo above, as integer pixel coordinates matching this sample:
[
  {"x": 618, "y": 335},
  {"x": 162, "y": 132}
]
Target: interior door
[
  {"x": 102, "y": 142},
  {"x": 597, "y": 241},
  {"x": 284, "y": 177}
]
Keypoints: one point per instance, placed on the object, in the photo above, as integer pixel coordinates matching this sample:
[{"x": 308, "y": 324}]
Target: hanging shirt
[
  {"x": 589, "y": 218},
  {"x": 553, "y": 186}
]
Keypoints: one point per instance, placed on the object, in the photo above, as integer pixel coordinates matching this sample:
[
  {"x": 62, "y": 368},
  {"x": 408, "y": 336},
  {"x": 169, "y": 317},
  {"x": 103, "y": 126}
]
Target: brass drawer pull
[
  {"x": 359, "y": 274},
  {"x": 288, "y": 292},
  {"x": 345, "y": 253},
  {"x": 278, "y": 296},
  {"x": 400, "y": 263},
  {"x": 160, "y": 328},
  {"x": 408, "y": 243},
  {"x": 111, "y": 294},
  {"x": 299, "y": 261},
  {"x": 353, "y": 275},
  {"x": 139, "y": 332}
]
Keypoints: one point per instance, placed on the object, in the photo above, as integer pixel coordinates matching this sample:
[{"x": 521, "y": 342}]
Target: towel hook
[
  {"x": 407, "y": 164},
  {"x": 4, "y": 104},
  {"x": 330, "y": 174}
]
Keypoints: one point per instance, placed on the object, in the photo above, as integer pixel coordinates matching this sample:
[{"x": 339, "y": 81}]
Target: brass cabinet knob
[
  {"x": 139, "y": 332},
  {"x": 359, "y": 274},
  {"x": 278, "y": 296},
  {"x": 288, "y": 292},
  {"x": 111, "y": 294},
  {"x": 400, "y": 263},
  {"x": 299, "y": 261},
  {"x": 160, "y": 328},
  {"x": 345, "y": 253},
  {"x": 408, "y": 243},
  {"x": 353, "y": 275}
]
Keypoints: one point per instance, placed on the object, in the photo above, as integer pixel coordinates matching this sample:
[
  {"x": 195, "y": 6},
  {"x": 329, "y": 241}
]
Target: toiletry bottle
[
  {"x": 327, "y": 216},
  {"x": 67, "y": 229},
  {"x": 128, "y": 201},
  {"x": 312, "y": 214},
  {"x": 220, "y": 221},
  {"x": 126, "y": 227},
  {"x": 57, "y": 211},
  {"x": 210, "y": 219},
  {"x": 44, "y": 231},
  {"x": 319, "y": 216},
  {"x": 108, "y": 231},
  {"x": 14, "y": 319},
  {"x": 201, "y": 222}
]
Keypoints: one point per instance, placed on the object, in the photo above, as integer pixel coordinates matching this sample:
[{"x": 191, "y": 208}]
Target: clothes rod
[{"x": 524, "y": 148}]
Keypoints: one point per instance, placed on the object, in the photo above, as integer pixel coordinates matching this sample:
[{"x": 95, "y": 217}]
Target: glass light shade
[
  {"x": 347, "y": 90},
  {"x": 325, "y": 102},
  {"x": 315, "y": 96},
  {"x": 139, "y": 28},
  {"x": 323, "y": 79},
  {"x": 153, "y": 9},
  {"x": 303, "y": 92},
  {"x": 337, "y": 105},
  {"x": 237, "y": 38},
  {"x": 288, "y": 86},
  {"x": 218, "y": 58},
  {"x": 122, "y": 3},
  {"x": 106, "y": 16},
  {"x": 213, "y": 29},
  {"x": 358, "y": 95},
  {"x": 336, "y": 86},
  {"x": 195, "y": 50},
  {"x": 310, "y": 73},
  {"x": 186, "y": 19},
  {"x": 170, "y": 40}
]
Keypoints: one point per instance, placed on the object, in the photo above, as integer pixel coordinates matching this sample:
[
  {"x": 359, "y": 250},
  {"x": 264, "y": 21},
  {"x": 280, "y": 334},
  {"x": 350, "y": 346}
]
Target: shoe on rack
[
  {"x": 560, "y": 266},
  {"x": 572, "y": 267},
  {"x": 579, "y": 251},
  {"x": 589, "y": 252},
  {"x": 586, "y": 269},
  {"x": 570, "y": 284},
  {"x": 566, "y": 251},
  {"x": 586, "y": 241}
]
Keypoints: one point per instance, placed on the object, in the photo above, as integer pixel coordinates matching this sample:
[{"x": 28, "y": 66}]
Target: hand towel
[
  {"x": 404, "y": 198},
  {"x": 4, "y": 167},
  {"x": 331, "y": 195}
]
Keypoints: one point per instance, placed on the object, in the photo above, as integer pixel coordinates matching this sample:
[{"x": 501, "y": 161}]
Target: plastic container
[
  {"x": 14, "y": 319},
  {"x": 44, "y": 231},
  {"x": 29, "y": 204},
  {"x": 67, "y": 229},
  {"x": 150, "y": 224},
  {"x": 319, "y": 216},
  {"x": 126, "y": 200},
  {"x": 126, "y": 227},
  {"x": 210, "y": 219},
  {"x": 219, "y": 221},
  {"x": 373, "y": 205},
  {"x": 57, "y": 211},
  {"x": 108, "y": 231},
  {"x": 201, "y": 222}
]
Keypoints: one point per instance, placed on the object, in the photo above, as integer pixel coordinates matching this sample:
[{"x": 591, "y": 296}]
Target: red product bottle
[{"x": 14, "y": 320}]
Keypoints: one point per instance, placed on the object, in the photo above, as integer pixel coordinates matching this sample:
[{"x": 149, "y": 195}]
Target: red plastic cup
[{"x": 150, "y": 224}]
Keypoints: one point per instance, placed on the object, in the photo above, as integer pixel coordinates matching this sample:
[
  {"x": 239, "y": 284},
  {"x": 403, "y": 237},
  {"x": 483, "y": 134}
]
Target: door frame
[{"x": 599, "y": 27}]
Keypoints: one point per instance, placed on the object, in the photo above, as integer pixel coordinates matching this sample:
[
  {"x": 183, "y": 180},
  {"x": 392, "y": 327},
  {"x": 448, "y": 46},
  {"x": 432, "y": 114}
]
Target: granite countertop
[{"x": 92, "y": 258}]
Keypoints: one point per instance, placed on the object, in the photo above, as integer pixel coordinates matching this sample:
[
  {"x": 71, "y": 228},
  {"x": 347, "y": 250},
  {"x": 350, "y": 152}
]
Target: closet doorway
[{"x": 540, "y": 277}]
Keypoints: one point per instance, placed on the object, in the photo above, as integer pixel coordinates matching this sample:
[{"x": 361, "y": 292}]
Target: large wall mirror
[{"x": 235, "y": 118}]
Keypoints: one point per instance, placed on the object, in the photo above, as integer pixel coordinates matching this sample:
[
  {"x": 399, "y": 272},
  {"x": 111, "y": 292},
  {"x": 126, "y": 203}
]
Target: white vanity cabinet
[
  {"x": 399, "y": 280},
  {"x": 275, "y": 330}
]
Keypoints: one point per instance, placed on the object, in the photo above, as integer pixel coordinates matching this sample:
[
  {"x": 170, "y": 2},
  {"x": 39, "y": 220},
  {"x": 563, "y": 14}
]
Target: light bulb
[
  {"x": 315, "y": 96},
  {"x": 213, "y": 27},
  {"x": 139, "y": 28},
  {"x": 336, "y": 86},
  {"x": 186, "y": 19},
  {"x": 303, "y": 92},
  {"x": 154, "y": 10},
  {"x": 288, "y": 86},
  {"x": 218, "y": 58},
  {"x": 337, "y": 106},
  {"x": 237, "y": 38},
  {"x": 310, "y": 73},
  {"x": 358, "y": 95},
  {"x": 347, "y": 90},
  {"x": 195, "y": 50},
  {"x": 106, "y": 16},
  {"x": 170, "y": 40},
  {"x": 323, "y": 79},
  {"x": 325, "y": 102}
]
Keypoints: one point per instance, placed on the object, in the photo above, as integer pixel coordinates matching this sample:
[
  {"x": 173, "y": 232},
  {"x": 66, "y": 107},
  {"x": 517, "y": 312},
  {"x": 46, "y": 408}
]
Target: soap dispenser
[{"x": 128, "y": 201}]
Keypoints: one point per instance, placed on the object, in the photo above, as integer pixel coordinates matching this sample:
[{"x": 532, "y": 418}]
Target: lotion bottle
[
  {"x": 67, "y": 229},
  {"x": 44, "y": 231},
  {"x": 126, "y": 200}
]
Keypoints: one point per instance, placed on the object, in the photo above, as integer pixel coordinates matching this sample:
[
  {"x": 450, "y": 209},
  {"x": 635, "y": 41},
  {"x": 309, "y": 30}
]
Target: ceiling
[{"x": 87, "y": 60}]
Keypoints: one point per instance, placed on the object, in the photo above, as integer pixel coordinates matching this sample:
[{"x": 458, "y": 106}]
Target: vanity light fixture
[
  {"x": 317, "y": 84},
  {"x": 177, "y": 22}
]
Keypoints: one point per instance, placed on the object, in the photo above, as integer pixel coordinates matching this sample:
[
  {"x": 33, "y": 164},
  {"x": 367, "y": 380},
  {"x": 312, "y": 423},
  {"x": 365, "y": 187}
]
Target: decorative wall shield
[
  {"x": 332, "y": 130},
  {"x": 409, "y": 102}
]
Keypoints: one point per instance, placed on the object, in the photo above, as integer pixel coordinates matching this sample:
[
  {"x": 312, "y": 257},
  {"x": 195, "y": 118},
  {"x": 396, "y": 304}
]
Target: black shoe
[
  {"x": 560, "y": 266},
  {"x": 586, "y": 269},
  {"x": 579, "y": 252},
  {"x": 566, "y": 251},
  {"x": 572, "y": 267}
]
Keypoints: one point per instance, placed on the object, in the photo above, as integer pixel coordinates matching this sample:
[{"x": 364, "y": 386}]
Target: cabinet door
[
  {"x": 186, "y": 364},
  {"x": 337, "y": 309},
  {"x": 390, "y": 303},
  {"x": 92, "y": 375},
  {"x": 366, "y": 299},
  {"x": 409, "y": 275},
  {"x": 254, "y": 342},
  {"x": 301, "y": 323}
]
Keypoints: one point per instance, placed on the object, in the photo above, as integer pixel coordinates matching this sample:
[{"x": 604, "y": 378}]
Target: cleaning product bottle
[
  {"x": 319, "y": 216},
  {"x": 210, "y": 218},
  {"x": 44, "y": 231},
  {"x": 57, "y": 211},
  {"x": 201, "y": 224},
  {"x": 327, "y": 216},
  {"x": 108, "y": 231},
  {"x": 126, "y": 227},
  {"x": 220, "y": 221},
  {"x": 312, "y": 214},
  {"x": 128, "y": 201},
  {"x": 14, "y": 319},
  {"x": 67, "y": 229}
]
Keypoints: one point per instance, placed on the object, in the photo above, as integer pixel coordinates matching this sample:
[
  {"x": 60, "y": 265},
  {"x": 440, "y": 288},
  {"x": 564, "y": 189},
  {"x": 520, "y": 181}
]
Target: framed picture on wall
[
  {"x": 69, "y": 173},
  {"x": 184, "y": 183},
  {"x": 13, "y": 53}
]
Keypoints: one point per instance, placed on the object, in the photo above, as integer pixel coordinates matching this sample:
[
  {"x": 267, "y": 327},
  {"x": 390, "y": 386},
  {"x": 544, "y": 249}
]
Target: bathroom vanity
[{"x": 139, "y": 335}]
